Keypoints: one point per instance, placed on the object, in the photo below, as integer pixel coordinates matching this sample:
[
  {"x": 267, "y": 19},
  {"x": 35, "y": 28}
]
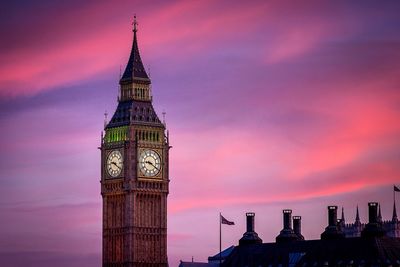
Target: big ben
[{"x": 134, "y": 174}]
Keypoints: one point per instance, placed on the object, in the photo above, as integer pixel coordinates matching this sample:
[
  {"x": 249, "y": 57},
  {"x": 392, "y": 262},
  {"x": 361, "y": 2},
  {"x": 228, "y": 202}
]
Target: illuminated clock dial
[
  {"x": 114, "y": 163},
  {"x": 149, "y": 163}
]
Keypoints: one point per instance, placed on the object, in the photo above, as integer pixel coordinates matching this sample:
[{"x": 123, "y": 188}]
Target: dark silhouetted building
[
  {"x": 391, "y": 227},
  {"x": 374, "y": 246}
]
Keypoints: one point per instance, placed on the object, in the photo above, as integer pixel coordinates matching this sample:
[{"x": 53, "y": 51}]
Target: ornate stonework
[{"x": 134, "y": 175}]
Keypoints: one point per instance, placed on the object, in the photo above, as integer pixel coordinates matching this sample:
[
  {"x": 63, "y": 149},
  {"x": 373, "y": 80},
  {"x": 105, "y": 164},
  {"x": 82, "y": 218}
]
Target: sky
[{"x": 270, "y": 105}]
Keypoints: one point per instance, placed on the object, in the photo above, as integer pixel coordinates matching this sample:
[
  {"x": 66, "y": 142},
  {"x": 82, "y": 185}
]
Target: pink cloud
[
  {"x": 80, "y": 56},
  {"x": 294, "y": 42},
  {"x": 240, "y": 166},
  {"x": 272, "y": 105}
]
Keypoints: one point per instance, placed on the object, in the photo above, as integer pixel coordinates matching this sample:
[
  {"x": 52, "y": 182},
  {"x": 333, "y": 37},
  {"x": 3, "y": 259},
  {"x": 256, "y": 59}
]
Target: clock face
[
  {"x": 149, "y": 163},
  {"x": 114, "y": 163}
]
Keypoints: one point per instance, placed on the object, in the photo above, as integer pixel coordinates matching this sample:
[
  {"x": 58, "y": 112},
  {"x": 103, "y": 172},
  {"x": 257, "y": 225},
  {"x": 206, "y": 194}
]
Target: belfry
[{"x": 134, "y": 174}]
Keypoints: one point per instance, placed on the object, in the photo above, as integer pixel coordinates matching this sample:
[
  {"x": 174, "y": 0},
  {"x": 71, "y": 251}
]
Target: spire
[
  {"x": 342, "y": 219},
  {"x": 379, "y": 214},
  {"x": 134, "y": 68},
  {"x": 394, "y": 217},
  {"x": 357, "y": 216}
]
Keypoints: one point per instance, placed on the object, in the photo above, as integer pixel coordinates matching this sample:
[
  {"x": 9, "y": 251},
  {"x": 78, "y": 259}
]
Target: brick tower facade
[{"x": 134, "y": 174}]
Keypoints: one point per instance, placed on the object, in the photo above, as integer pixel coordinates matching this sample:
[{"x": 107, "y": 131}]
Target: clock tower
[{"x": 134, "y": 174}]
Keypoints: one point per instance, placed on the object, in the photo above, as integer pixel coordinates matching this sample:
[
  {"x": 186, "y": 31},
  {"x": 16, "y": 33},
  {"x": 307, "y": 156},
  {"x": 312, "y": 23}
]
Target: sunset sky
[{"x": 270, "y": 105}]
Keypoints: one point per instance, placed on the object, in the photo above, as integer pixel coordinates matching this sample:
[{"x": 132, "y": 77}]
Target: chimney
[
  {"x": 287, "y": 219},
  {"x": 373, "y": 212},
  {"x": 250, "y": 221},
  {"x": 332, "y": 215},
  {"x": 250, "y": 237},
  {"x": 297, "y": 227},
  {"x": 332, "y": 231},
  {"x": 373, "y": 227},
  {"x": 287, "y": 234}
]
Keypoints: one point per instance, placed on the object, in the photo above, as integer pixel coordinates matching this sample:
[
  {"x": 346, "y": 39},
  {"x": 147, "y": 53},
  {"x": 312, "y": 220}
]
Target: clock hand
[
  {"x": 116, "y": 164},
  {"x": 151, "y": 163}
]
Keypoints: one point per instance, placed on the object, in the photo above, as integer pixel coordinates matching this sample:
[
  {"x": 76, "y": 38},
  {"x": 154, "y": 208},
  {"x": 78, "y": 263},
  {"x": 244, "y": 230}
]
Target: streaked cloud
[{"x": 270, "y": 105}]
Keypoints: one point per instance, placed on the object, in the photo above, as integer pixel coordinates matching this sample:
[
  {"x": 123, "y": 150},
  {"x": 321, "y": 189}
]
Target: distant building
[
  {"x": 375, "y": 243},
  {"x": 391, "y": 227}
]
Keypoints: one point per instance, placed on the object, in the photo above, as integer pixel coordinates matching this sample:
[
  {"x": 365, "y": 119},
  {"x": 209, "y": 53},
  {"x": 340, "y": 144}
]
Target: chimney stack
[
  {"x": 332, "y": 231},
  {"x": 332, "y": 215},
  {"x": 287, "y": 219},
  {"x": 373, "y": 227},
  {"x": 287, "y": 234},
  {"x": 250, "y": 237},
  {"x": 250, "y": 221},
  {"x": 297, "y": 227},
  {"x": 373, "y": 212}
]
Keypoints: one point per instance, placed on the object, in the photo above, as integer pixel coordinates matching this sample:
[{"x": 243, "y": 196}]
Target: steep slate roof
[
  {"x": 131, "y": 112},
  {"x": 197, "y": 264},
  {"x": 224, "y": 254},
  {"x": 134, "y": 67},
  {"x": 134, "y": 111},
  {"x": 378, "y": 251}
]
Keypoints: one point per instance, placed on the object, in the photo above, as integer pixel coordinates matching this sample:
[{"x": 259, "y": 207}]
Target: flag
[
  {"x": 396, "y": 189},
  {"x": 225, "y": 221}
]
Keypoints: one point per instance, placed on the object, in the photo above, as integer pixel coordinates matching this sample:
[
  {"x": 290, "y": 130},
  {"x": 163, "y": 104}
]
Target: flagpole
[{"x": 220, "y": 238}]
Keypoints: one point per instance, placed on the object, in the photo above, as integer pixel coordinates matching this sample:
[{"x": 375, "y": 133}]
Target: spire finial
[
  {"x": 105, "y": 119},
  {"x": 134, "y": 23},
  {"x": 163, "y": 114}
]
